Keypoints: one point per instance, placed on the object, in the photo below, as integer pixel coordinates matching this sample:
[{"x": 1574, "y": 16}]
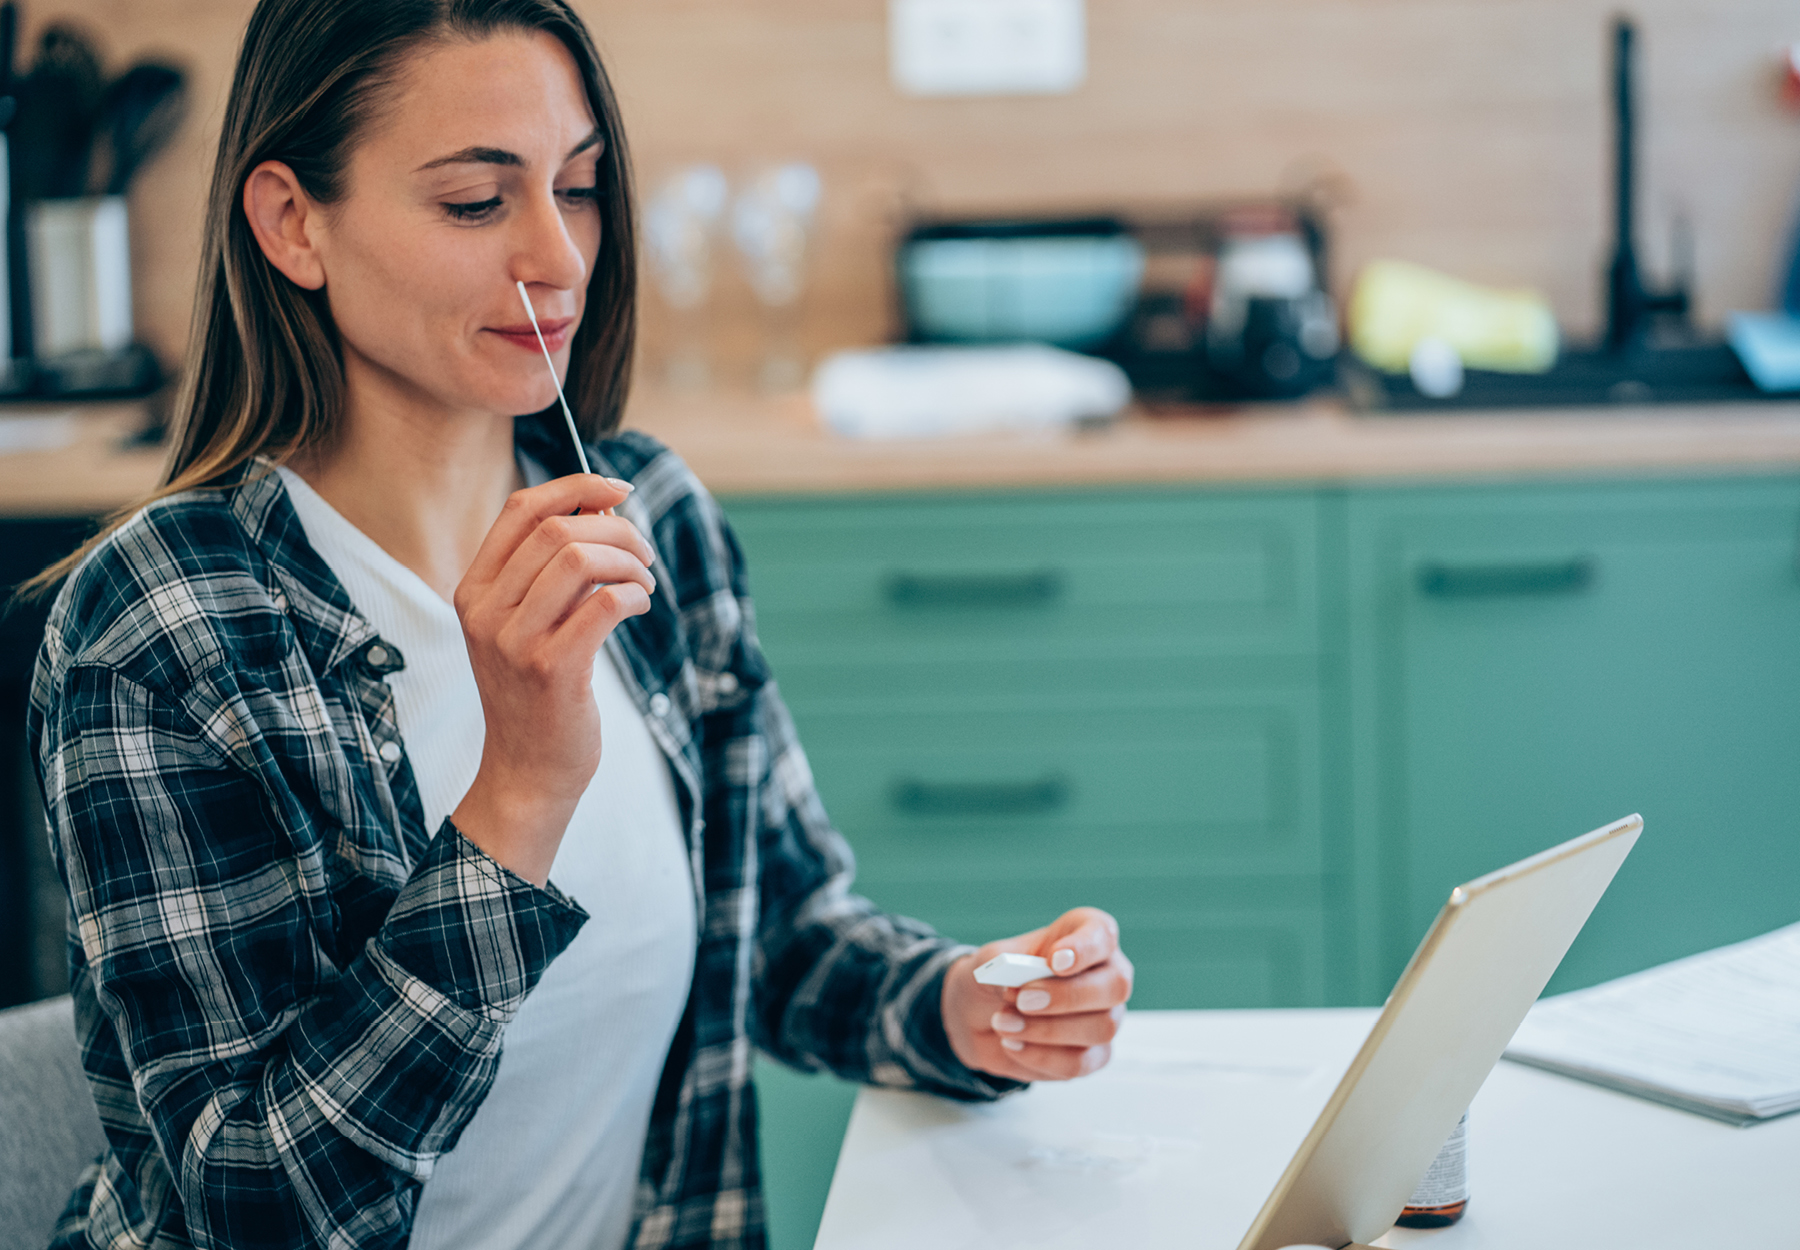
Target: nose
[{"x": 546, "y": 253}]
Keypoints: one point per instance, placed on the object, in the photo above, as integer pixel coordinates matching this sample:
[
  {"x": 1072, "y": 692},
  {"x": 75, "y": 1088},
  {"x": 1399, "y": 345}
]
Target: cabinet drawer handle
[
  {"x": 981, "y": 798},
  {"x": 1032, "y": 589},
  {"x": 1487, "y": 581}
]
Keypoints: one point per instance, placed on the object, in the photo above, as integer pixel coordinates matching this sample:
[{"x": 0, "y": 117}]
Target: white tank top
[{"x": 551, "y": 1157}]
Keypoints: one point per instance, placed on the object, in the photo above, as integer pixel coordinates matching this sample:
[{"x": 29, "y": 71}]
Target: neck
[{"x": 423, "y": 482}]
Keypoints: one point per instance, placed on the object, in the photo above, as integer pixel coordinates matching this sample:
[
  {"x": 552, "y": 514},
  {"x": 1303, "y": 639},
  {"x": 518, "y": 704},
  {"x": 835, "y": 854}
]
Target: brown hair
[{"x": 264, "y": 374}]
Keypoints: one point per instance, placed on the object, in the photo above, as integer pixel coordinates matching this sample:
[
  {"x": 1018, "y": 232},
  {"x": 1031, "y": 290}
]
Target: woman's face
[{"x": 480, "y": 174}]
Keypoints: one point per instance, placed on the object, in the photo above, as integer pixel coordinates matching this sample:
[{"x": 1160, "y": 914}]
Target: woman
[{"x": 330, "y": 841}]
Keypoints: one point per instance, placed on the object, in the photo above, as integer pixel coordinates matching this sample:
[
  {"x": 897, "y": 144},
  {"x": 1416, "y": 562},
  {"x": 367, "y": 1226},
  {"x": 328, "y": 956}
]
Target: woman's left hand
[{"x": 1050, "y": 1030}]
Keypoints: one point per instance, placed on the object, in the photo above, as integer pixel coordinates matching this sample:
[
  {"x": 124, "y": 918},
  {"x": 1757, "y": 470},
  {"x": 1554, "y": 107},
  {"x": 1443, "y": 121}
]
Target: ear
[{"x": 286, "y": 223}]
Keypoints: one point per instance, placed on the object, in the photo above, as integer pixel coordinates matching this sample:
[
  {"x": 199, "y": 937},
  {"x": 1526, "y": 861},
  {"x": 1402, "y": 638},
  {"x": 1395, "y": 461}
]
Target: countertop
[
  {"x": 744, "y": 445},
  {"x": 747, "y": 446}
]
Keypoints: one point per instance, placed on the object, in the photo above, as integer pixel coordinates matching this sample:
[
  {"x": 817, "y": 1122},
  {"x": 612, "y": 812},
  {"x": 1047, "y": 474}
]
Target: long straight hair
[{"x": 264, "y": 374}]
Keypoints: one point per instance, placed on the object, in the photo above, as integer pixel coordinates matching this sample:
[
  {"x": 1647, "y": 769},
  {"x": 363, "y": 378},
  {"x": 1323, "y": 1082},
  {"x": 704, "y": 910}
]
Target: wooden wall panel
[{"x": 1469, "y": 134}]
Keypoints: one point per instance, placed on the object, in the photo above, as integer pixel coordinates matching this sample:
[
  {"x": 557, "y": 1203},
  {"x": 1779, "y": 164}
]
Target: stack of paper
[{"x": 1717, "y": 1033}]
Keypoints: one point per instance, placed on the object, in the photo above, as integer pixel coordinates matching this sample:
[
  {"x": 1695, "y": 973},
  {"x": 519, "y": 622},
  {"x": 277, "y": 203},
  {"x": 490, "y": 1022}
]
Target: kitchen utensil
[
  {"x": 140, "y": 113},
  {"x": 59, "y": 101}
]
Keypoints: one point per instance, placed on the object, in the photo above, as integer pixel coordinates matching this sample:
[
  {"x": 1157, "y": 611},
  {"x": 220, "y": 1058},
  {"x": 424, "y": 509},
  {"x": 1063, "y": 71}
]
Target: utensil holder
[{"x": 79, "y": 252}]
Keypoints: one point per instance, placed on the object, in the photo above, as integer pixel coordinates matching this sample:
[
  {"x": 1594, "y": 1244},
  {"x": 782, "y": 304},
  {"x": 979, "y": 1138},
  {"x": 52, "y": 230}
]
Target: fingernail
[
  {"x": 619, "y": 485},
  {"x": 1006, "y": 1022},
  {"x": 1033, "y": 1000},
  {"x": 1063, "y": 960},
  {"x": 1012, "y": 1043}
]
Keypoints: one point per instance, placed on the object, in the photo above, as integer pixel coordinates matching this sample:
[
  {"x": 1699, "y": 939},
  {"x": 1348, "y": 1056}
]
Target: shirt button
[
  {"x": 659, "y": 705},
  {"x": 727, "y": 683},
  {"x": 378, "y": 655},
  {"x": 389, "y": 752}
]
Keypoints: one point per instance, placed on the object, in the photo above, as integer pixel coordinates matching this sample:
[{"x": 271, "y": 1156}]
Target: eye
[
  {"x": 579, "y": 195},
  {"x": 473, "y": 210}
]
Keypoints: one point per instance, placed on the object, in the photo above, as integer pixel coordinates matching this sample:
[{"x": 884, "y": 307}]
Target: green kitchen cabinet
[
  {"x": 1531, "y": 660},
  {"x": 1013, "y": 705}
]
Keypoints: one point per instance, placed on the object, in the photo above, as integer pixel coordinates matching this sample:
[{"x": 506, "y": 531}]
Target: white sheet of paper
[{"x": 1721, "y": 1028}]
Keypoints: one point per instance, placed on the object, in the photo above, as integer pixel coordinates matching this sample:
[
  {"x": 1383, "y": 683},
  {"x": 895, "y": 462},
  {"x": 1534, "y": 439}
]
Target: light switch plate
[{"x": 987, "y": 47}]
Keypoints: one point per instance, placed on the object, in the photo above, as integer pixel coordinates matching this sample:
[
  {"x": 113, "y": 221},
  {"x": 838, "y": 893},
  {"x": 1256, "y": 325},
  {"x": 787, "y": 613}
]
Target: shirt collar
[{"x": 327, "y": 624}]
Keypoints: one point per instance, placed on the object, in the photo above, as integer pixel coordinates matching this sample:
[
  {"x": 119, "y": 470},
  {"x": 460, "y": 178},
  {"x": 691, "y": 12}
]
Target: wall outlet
[{"x": 987, "y": 47}]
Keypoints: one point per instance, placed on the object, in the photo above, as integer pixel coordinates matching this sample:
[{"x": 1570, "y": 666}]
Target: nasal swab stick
[{"x": 574, "y": 436}]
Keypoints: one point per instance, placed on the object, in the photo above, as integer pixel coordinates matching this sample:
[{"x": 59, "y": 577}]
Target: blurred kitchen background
[
  {"x": 1472, "y": 137},
  {"x": 1401, "y": 511}
]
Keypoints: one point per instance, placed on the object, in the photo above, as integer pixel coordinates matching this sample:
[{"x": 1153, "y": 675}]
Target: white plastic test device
[{"x": 1012, "y": 971}]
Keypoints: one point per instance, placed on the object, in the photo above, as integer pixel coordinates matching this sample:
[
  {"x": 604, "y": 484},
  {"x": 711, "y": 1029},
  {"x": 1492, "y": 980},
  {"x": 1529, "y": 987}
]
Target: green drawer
[
  {"x": 925, "y": 577},
  {"x": 1215, "y": 783},
  {"x": 1193, "y": 942}
]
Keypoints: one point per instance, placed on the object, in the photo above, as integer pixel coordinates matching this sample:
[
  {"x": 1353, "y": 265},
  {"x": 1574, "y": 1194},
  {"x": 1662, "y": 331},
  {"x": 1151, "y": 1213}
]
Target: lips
[{"x": 556, "y": 333}]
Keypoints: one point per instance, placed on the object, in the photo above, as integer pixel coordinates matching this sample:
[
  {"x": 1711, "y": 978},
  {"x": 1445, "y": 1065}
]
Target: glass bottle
[{"x": 1443, "y": 1194}]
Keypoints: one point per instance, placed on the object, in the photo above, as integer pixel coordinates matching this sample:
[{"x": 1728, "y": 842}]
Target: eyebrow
[{"x": 478, "y": 155}]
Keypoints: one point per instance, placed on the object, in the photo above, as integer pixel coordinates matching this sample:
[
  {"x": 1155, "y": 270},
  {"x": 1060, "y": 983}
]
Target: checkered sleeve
[{"x": 299, "y": 1094}]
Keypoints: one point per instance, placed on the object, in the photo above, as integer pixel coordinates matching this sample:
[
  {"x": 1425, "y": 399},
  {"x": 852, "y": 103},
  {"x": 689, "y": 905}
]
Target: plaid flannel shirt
[{"x": 291, "y": 996}]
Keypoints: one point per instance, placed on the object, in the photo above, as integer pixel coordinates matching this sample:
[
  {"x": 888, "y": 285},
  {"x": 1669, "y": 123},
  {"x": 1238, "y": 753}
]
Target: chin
[
  {"x": 532, "y": 393},
  {"x": 508, "y": 397}
]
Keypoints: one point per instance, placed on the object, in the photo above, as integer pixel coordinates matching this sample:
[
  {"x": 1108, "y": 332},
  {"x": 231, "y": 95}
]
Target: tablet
[{"x": 1483, "y": 963}]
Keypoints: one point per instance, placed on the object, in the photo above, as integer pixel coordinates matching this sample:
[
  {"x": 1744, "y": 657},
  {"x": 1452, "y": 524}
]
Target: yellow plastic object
[{"x": 1396, "y": 303}]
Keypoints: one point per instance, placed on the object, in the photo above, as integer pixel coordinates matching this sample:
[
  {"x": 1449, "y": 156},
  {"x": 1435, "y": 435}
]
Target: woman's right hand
[{"x": 543, "y": 593}]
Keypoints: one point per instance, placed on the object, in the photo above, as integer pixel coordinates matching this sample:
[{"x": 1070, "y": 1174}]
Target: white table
[{"x": 1180, "y": 1139}]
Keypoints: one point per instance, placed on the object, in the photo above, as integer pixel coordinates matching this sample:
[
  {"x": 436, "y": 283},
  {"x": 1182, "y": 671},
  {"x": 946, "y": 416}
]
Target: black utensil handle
[
  {"x": 981, "y": 798},
  {"x": 1027, "y": 589},
  {"x": 1492, "y": 581}
]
